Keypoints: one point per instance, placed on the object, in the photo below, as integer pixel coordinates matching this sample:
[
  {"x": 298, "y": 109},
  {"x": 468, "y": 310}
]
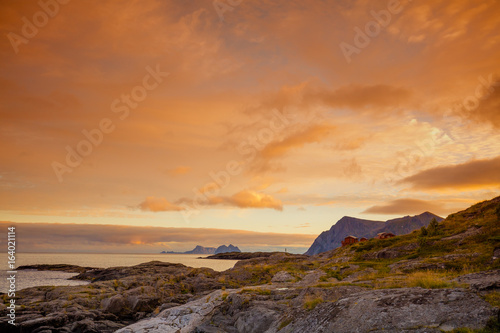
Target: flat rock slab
[
  {"x": 415, "y": 310},
  {"x": 482, "y": 280},
  {"x": 397, "y": 310},
  {"x": 179, "y": 319}
]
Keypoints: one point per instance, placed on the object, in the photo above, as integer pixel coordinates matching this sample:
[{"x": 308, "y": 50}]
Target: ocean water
[{"x": 31, "y": 278}]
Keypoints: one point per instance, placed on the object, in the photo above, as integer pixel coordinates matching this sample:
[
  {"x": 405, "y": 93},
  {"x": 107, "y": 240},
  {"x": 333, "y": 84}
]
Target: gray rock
[
  {"x": 496, "y": 253},
  {"x": 143, "y": 303},
  {"x": 311, "y": 278},
  {"x": 49, "y": 321},
  {"x": 472, "y": 231},
  {"x": 282, "y": 276},
  {"x": 256, "y": 320},
  {"x": 106, "y": 326},
  {"x": 482, "y": 280},
  {"x": 43, "y": 329},
  {"x": 397, "y": 310},
  {"x": 83, "y": 326},
  {"x": 181, "y": 319},
  {"x": 115, "y": 304}
]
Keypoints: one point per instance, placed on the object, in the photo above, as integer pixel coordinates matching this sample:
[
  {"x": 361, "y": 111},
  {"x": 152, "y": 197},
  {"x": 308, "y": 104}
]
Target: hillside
[{"x": 331, "y": 239}]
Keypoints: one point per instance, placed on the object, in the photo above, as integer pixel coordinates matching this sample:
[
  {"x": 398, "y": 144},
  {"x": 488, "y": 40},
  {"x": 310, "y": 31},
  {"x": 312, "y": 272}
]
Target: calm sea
[{"x": 25, "y": 279}]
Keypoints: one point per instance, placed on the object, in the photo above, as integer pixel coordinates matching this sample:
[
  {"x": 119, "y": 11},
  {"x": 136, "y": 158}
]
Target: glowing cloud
[
  {"x": 406, "y": 207},
  {"x": 473, "y": 174},
  {"x": 154, "y": 204}
]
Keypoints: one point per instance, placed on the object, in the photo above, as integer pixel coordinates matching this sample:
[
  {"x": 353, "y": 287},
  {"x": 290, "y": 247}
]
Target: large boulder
[
  {"x": 482, "y": 280},
  {"x": 256, "y": 320},
  {"x": 115, "y": 304},
  {"x": 183, "y": 318},
  {"x": 282, "y": 276}
]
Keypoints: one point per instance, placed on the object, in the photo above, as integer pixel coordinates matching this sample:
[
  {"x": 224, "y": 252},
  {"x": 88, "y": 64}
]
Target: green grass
[
  {"x": 493, "y": 298},
  {"x": 285, "y": 323},
  {"x": 330, "y": 273},
  {"x": 311, "y": 303},
  {"x": 258, "y": 291},
  {"x": 428, "y": 280}
]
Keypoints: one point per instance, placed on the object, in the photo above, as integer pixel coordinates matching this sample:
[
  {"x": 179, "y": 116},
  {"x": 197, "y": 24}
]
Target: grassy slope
[{"x": 462, "y": 243}]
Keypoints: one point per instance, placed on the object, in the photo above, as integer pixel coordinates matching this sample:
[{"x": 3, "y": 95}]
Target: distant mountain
[
  {"x": 225, "y": 249},
  {"x": 201, "y": 250},
  {"x": 346, "y": 226},
  {"x": 197, "y": 250},
  {"x": 207, "y": 250},
  {"x": 405, "y": 225},
  {"x": 331, "y": 239}
]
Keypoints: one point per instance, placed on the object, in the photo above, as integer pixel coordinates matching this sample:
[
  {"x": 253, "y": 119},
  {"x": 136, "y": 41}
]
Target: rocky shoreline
[
  {"x": 448, "y": 281},
  {"x": 165, "y": 297},
  {"x": 247, "y": 255},
  {"x": 57, "y": 267}
]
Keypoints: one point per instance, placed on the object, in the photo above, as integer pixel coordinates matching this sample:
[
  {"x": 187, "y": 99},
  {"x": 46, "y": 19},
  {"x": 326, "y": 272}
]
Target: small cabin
[
  {"x": 363, "y": 239},
  {"x": 384, "y": 235},
  {"x": 349, "y": 240}
]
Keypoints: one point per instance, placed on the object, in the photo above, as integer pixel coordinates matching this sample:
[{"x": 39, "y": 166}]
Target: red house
[
  {"x": 363, "y": 239},
  {"x": 349, "y": 240},
  {"x": 384, "y": 235}
]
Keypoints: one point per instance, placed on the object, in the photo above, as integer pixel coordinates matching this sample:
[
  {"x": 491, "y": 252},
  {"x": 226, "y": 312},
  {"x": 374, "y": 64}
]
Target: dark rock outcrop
[
  {"x": 58, "y": 267},
  {"x": 246, "y": 255}
]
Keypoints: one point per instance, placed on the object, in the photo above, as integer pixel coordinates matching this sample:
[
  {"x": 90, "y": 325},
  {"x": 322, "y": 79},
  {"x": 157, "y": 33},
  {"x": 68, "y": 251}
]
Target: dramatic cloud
[
  {"x": 488, "y": 108},
  {"x": 269, "y": 90},
  {"x": 242, "y": 199},
  {"x": 154, "y": 204},
  {"x": 312, "y": 134},
  {"x": 364, "y": 96},
  {"x": 406, "y": 207},
  {"x": 95, "y": 238},
  {"x": 251, "y": 199},
  {"x": 473, "y": 174},
  {"x": 356, "y": 97}
]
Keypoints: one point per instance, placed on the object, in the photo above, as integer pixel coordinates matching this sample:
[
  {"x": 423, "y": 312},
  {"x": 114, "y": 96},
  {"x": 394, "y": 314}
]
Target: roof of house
[{"x": 351, "y": 237}]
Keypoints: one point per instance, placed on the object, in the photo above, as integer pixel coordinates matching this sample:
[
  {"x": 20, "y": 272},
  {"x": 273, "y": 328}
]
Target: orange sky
[{"x": 271, "y": 116}]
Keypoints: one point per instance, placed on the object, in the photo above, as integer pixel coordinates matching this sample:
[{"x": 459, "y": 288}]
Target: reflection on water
[{"x": 30, "y": 278}]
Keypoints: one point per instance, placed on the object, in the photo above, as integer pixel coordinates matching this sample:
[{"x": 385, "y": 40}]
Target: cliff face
[
  {"x": 346, "y": 226},
  {"x": 331, "y": 239}
]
